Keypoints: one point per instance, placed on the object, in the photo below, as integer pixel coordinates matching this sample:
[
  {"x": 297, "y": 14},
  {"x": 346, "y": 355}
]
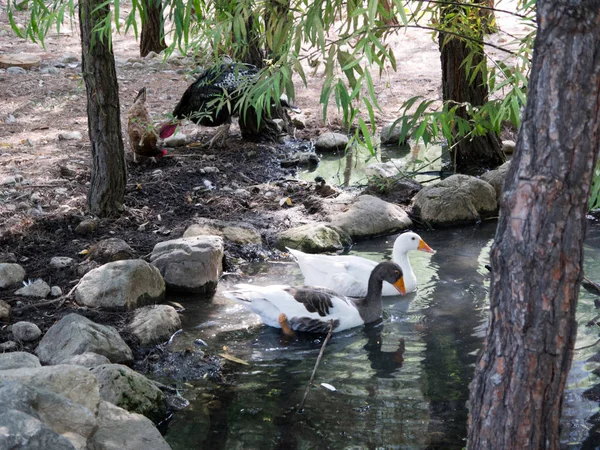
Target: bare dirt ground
[{"x": 44, "y": 179}]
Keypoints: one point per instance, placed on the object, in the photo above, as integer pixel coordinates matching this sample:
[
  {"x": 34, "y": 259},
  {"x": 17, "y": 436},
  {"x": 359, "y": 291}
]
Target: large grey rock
[
  {"x": 11, "y": 274},
  {"x": 69, "y": 419},
  {"x": 496, "y": 178},
  {"x": 456, "y": 200},
  {"x": 331, "y": 142},
  {"x": 122, "y": 430},
  {"x": 130, "y": 390},
  {"x": 5, "y": 311},
  {"x": 75, "y": 334},
  {"x": 87, "y": 359},
  {"x": 73, "y": 382},
  {"x": 17, "y": 360},
  {"x": 37, "y": 289},
  {"x": 121, "y": 285},
  {"x": 237, "y": 232},
  {"x": 370, "y": 216},
  {"x": 26, "y": 331},
  {"x": 22, "y": 431},
  {"x": 313, "y": 238},
  {"x": 154, "y": 324},
  {"x": 191, "y": 264}
]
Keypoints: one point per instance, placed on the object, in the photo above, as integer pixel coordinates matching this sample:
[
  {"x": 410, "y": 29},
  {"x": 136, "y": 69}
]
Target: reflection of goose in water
[{"x": 384, "y": 363}]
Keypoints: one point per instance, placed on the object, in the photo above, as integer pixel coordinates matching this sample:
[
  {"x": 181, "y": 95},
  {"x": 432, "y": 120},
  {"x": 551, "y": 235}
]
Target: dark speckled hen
[{"x": 212, "y": 99}]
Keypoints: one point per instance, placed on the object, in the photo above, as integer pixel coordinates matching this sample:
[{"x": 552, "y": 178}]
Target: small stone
[
  {"x": 86, "y": 226},
  {"x": 151, "y": 55},
  {"x": 7, "y": 181},
  {"x": 5, "y": 311},
  {"x": 8, "y": 346},
  {"x": 138, "y": 66},
  {"x": 61, "y": 191},
  {"x": 11, "y": 274},
  {"x": 209, "y": 169},
  {"x": 36, "y": 197},
  {"x": 69, "y": 59},
  {"x": 49, "y": 70},
  {"x": 10, "y": 119},
  {"x": 70, "y": 136},
  {"x": 38, "y": 289},
  {"x": 26, "y": 331},
  {"x": 16, "y": 71},
  {"x": 55, "y": 291}
]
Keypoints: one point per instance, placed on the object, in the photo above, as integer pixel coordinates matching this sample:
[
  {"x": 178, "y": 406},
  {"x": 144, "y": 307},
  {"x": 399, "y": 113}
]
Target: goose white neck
[{"x": 400, "y": 257}]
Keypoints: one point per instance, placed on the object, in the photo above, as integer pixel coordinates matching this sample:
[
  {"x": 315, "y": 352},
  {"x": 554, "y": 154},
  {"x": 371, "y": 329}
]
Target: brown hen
[{"x": 143, "y": 137}]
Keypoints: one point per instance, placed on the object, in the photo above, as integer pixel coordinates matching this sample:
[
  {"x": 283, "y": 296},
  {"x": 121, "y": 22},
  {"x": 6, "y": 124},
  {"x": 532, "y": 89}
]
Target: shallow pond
[{"x": 401, "y": 384}]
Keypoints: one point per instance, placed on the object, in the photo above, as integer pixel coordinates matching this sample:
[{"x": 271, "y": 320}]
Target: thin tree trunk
[
  {"x": 152, "y": 38},
  {"x": 481, "y": 152},
  {"x": 517, "y": 394},
  {"x": 107, "y": 188}
]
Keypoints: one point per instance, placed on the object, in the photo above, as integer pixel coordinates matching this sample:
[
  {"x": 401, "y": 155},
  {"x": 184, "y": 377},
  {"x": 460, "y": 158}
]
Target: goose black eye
[{"x": 413, "y": 238}]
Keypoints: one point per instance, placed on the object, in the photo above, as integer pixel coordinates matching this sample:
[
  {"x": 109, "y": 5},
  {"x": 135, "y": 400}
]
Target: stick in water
[{"x": 312, "y": 377}]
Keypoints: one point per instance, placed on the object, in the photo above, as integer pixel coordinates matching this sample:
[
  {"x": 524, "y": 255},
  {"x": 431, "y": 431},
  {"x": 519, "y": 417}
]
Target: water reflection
[{"x": 401, "y": 383}]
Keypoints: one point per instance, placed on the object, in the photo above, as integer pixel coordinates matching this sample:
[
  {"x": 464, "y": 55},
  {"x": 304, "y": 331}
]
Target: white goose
[
  {"x": 349, "y": 274},
  {"x": 313, "y": 308}
]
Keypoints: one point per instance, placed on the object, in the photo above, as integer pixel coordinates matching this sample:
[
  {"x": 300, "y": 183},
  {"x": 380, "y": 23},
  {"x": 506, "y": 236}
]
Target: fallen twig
[
  {"x": 590, "y": 286},
  {"x": 312, "y": 377},
  {"x": 60, "y": 300},
  {"x": 587, "y": 346}
]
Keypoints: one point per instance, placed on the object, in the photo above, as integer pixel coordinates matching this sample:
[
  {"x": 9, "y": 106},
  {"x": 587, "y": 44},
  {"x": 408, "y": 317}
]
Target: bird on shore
[
  {"x": 313, "y": 308},
  {"x": 143, "y": 137},
  {"x": 349, "y": 275},
  {"x": 201, "y": 102},
  {"x": 213, "y": 99}
]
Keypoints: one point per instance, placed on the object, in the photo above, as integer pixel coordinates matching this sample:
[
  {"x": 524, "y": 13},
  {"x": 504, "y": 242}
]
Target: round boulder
[{"x": 458, "y": 199}]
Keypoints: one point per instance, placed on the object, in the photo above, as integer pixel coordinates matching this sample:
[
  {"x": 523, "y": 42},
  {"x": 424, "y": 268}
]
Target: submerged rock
[
  {"x": 75, "y": 334},
  {"x": 331, "y": 142},
  {"x": 122, "y": 430},
  {"x": 154, "y": 324},
  {"x": 130, "y": 390}
]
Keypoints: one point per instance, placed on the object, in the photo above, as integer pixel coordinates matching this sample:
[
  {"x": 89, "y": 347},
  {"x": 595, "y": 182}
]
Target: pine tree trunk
[
  {"x": 107, "y": 188},
  {"x": 152, "y": 39},
  {"x": 481, "y": 152},
  {"x": 517, "y": 394}
]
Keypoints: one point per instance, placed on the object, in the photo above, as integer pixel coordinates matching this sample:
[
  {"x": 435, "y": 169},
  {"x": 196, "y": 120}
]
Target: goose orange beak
[
  {"x": 424, "y": 247},
  {"x": 399, "y": 285}
]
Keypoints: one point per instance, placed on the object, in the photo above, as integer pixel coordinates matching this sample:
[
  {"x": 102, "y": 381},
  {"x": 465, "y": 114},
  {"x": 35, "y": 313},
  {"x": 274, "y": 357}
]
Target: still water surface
[{"x": 401, "y": 384}]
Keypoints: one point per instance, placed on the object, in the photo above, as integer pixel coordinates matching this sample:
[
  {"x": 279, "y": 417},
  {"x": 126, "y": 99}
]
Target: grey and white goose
[{"x": 312, "y": 308}]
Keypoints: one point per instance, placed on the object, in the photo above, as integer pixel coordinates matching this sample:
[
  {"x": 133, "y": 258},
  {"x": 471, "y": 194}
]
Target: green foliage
[{"x": 343, "y": 38}]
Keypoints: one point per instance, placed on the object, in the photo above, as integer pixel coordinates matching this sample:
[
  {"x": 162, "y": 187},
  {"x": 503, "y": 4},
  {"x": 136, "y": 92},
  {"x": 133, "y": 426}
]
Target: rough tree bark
[
  {"x": 517, "y": 393},
  {"x": 153, "y": 36},
  {"x": 107, "y": 188},
  {"x": 481, "y": 152}
]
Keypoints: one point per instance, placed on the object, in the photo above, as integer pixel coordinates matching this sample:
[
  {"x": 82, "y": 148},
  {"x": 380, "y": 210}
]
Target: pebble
[
  {"x": 55, "y": 291},
  {"x": 4, "y": 311},
  {"x": 26, "y": 331},
  {"x": 36, "y": 197},
  {"x": 16, "y": 71},
  {"x": 39, "y": 289},
  {"x": 86, "y": 226},
  {"x": 8, "y": 346},
  {"x": 60, "y": 262},
  {"x": 70, "y": 136},
  {"x": 138, "y": 66},
  {"x": 50, "y": 70},
  {"x": 151, "y": 55},
  {"x": 209, "y": 169},
  {"x": 69, "y": 59},
  {"x": 10, "y": 119},
  {"x": 61, "y": 191}
]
